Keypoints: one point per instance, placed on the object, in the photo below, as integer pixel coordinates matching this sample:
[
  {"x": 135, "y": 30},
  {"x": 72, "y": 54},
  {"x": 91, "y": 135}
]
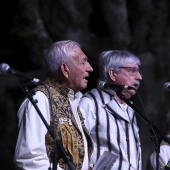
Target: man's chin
[
  {"x": 132, "y": 92},
  {"x": 84, "y": 86},
  {"x": 129, "y": 94}
]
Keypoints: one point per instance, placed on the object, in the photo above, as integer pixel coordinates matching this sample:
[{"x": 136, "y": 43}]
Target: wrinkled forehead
[{"x": 78, "y": 55}]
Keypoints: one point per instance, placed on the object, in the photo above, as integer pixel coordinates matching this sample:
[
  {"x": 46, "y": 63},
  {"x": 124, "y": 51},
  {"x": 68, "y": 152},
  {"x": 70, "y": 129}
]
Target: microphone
[
  {"x": 6, "y": 69},
  {"x": 167, "y": 86},
  {"x": 103, "y": 85}
]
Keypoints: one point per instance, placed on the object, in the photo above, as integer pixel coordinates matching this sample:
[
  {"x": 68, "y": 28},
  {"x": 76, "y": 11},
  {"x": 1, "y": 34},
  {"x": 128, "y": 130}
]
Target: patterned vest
[{"x": 63, "y": 124}]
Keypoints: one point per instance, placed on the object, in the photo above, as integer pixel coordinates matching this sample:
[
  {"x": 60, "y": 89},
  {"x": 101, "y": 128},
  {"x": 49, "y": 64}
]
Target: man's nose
[
  {"x": 139, "y": 76},
  {"x": 89, "y": 67}
]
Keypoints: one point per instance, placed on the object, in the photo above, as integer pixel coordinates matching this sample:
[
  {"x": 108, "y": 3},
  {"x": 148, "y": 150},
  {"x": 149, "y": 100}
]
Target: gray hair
[
  {"x": 114, "y": 59},
  {"x": 58, "y": 53}
]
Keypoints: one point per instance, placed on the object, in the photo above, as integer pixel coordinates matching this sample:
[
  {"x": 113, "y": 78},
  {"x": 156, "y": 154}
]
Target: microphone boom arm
[{"x": 156, "y": 135}]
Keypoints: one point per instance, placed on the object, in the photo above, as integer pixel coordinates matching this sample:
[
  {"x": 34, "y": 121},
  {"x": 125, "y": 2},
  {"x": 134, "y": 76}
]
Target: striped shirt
[{"x": 113, "y": 127}]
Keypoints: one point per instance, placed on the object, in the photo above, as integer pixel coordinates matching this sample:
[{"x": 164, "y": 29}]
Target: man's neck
[{"x": 118, "y": 99}]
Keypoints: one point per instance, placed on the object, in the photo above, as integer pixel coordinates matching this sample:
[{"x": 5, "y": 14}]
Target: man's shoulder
[
  {"x": 95, "y": 95},
  {"x": 91, "y": 93}
]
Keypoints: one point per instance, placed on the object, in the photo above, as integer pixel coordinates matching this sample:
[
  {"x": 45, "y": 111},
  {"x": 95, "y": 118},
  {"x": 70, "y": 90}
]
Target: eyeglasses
[{"x": 133, "y": 71}]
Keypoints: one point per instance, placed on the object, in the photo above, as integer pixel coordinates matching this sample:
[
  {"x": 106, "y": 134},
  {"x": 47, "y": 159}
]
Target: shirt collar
[{"x": 73, "y": 96}]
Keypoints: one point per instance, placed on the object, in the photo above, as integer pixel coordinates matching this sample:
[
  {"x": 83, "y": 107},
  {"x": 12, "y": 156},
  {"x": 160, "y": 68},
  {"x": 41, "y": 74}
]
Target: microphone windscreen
[
  {"x": 4, "y": 68},
  {"x": 167, "y": 86},
  {"x": 100, "y": 84}
]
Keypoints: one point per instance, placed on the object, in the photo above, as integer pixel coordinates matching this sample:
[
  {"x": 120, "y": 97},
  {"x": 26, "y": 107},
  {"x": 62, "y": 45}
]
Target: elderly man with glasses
[{"x": 111, "y": 122}]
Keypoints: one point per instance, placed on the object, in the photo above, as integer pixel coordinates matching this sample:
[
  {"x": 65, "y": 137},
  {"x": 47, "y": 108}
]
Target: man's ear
[
  {"x": 65, "y": 70},
  {"x": 112, "y": 74}
]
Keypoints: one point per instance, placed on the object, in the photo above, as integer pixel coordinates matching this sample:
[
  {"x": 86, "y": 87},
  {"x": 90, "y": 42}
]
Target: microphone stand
[
  {"x": 156, "y": 135},
  {"x": 58, "y": 148}
]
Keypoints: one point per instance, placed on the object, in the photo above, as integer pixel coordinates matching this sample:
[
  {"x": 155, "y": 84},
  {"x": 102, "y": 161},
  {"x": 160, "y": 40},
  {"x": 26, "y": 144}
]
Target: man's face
[
  {"x": 129, "y": 75},
  {"x": 79, "y": 71}
]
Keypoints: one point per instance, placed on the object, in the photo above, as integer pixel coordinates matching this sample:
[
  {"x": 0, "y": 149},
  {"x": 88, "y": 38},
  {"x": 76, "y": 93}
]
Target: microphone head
[
  {"x": 4, "y": 68},
  {"x": 167, "y": 86},
  {"x": 100, "y": 84}
]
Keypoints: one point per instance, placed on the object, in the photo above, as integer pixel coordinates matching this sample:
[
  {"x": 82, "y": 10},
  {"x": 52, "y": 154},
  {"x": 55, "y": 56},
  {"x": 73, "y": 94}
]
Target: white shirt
[
  {"x": 30, "y": 152},
  {"x": 164, "y": 156},
  {"x": 74, "y": 101}
]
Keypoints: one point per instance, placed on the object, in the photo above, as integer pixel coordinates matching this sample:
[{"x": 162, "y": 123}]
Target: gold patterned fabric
[{"x": 63, "y": 124}]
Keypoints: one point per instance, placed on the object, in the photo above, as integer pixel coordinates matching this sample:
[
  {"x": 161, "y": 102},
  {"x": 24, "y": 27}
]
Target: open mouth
[
  {"x": 136, "y": 86},
  {"x": 86, "y": 78}
]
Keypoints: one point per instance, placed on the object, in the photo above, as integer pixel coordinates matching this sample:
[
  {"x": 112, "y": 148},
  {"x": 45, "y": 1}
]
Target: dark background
[{"x": 28, "y": 27}]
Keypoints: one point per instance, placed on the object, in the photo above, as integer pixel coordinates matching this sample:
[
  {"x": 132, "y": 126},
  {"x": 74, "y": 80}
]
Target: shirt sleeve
[
  {"x": 30, "y": 152},
  {"x": 88, "y": 109},
  {"x": 164, "y": 156}
]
